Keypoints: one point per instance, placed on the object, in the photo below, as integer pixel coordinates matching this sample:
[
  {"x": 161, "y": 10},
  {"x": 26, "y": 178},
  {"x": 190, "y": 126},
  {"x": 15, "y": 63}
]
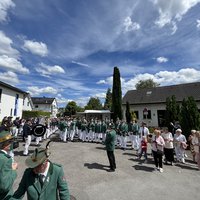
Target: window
[
  {"x": 24, "y": 97},
  {"x": 148, "y": 116},
  {"x": 16, "y": 104},
  {"x": 28, "y": 103},
  {"x": 11, "y": 110},
  {"x": 36, "y": 106},
  {"x": 0, "y": 94}
]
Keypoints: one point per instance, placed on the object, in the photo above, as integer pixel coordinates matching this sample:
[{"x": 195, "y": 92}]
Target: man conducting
[
  {"x": 110, "y": 146},
  {"x": 7, "y": 167},
  {"x": 43, "y": 180}
]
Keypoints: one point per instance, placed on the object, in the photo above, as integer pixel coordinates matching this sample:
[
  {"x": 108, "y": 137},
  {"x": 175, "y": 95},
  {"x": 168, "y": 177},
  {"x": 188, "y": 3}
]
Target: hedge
[{"x": 29, "y": 114}]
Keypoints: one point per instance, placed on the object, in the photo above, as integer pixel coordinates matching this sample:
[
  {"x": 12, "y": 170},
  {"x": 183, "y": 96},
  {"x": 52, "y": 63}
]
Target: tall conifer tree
[{"x": 116, "y": 95}]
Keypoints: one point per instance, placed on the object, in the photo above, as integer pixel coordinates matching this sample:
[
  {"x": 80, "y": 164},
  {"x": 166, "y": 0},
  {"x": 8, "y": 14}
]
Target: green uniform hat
[
  {"x": 5, "y": 136},
  {"x": 38, "y": 157}
]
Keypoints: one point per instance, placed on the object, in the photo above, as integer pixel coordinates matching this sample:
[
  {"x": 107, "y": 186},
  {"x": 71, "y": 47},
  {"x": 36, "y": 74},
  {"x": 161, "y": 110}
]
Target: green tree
[
  {"x": 128, "y": 113},
  {"x": 172, "y": 111},
  {"x": 108, "y": 100},
  {"x": 71, "y": 108},
  {"x": 189, "y": 116},
  {"x": 149, "y": 83},
  {"x": 116, "y": 95},
  {"x": 94, "y": 104}
]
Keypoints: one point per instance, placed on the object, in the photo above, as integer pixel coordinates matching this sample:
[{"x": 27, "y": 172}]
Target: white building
[
  {"x": 13, "y": 101},
  {"x": 149, "y": 105},
  {"x": 45, "y": 104}
]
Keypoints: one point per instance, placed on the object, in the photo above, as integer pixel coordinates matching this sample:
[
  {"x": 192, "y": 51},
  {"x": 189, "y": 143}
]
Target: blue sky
[{"x": 68, "y": 49}]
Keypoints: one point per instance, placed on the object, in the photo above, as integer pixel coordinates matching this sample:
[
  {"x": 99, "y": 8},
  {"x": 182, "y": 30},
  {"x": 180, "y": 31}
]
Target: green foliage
[
  {"x": 128, "y": 113},
  {"x": 189, "y": 116},
  {"x": 70, "y": 109},
  {"x": 29, "y": 114},
  {"x": 133, "y": 115},
  {"x": 149, "y": 83},
  {"x": 80, "y": 109},
  {"x": 94, "y": 104},
  {"x": 116, "y": 95},
  {"x": 172, "y": 111},
  {"x": 108, "y": 100}
]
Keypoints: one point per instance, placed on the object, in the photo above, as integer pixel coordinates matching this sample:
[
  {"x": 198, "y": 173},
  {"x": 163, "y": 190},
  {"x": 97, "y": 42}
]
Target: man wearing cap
[
  {"x": 43, "y": 180},
  {"x": 110, "y": 146},
  {"x": 7, "y": 167}
]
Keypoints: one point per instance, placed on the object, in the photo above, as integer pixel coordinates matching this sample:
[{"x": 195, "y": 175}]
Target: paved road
[{"x": 86, "y": 165}]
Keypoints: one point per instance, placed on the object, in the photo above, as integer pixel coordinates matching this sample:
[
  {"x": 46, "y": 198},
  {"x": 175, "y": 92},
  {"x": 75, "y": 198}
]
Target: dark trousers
[
  {"x": 111, "y": 158},
  {"x": 157, "y": 159}
]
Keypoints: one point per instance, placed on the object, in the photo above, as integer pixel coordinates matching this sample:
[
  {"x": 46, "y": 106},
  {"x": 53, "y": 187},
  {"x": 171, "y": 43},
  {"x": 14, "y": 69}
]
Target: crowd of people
[{"x": 165, "y": 146}]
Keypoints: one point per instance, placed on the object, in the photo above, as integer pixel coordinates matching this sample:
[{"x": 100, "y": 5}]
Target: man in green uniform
[
  {"x": 110, "y": 146},
  {"x": 43, "y": 180},
  {"x": 7, "y": 167}
]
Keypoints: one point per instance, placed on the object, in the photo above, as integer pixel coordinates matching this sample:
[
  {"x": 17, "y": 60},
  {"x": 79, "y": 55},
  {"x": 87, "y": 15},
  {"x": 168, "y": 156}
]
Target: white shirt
[
  {"x": 44, "y": 174},
  {"x": 167, "y": 137},
  {"x": 144, "y": 131}
]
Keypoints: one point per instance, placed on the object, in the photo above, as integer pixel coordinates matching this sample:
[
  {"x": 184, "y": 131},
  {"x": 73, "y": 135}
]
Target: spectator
[
  {"x": 157, "y": 149},
  {"x": 169, "y": 147}
]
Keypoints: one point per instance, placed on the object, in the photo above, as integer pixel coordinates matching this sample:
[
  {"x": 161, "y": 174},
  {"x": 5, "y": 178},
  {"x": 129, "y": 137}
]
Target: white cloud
[
  {"x": 186, "y": 75},
  {"x": 4, "y": 6},
  {"x": 9, "y": 77},
  {"x": 34, "y": 90},
  {"x": 82, "y": 101},
  {"x": 171, "y": 11},
  {"x": 198, "y": 24},
  {"x": 47, "y": 70},
  {"x": 129, "y": 25},
  {"x": 6, "y": 46},
  {"x": 101, "y": 82},
  {"x": 61, "y": 100},
  {"x": 108, "y": 81},
  {"x": 12, "y": 64},
  {"x": 100, "y": 95},
  {"x": 37, "y": 48},
  {"x": 161, "y": 59},
  {"x": 81, "y": 64}
]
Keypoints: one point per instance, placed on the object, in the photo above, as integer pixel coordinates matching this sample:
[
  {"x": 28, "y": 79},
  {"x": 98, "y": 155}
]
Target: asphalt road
[{"x": 86, "y": 170}]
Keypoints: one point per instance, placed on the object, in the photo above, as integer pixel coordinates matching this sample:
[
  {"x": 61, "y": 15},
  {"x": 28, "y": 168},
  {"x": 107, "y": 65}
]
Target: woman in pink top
[{"x": 157, "y": 149}]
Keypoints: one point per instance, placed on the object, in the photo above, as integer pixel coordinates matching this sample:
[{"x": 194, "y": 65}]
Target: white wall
[
  {"x": 154, "y": 115},
  {"x": 7, "y": 103},
  {"x": 27, "y": 104}
]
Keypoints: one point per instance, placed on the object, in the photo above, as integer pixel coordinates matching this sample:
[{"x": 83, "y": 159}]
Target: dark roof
[
  {"x": 159, "y": 94},
  {"x": 42, "y": 100},
  {"x": 12, "y": 87}
]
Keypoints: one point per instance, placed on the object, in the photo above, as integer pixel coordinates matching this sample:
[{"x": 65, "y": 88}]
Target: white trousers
[
  {"x": 72, "y": 133},
  {"x": 180, "y": 154},
  {"x": 27, "y": 144}
]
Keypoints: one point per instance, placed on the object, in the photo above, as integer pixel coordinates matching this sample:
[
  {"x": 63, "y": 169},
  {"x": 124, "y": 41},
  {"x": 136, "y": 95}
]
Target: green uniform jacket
[
  {"x": 7, "y": 176},
  {"x": 54, "y": 188},
  {"x": 124, "y": 129},
  {"x": 110, "y": 140}
]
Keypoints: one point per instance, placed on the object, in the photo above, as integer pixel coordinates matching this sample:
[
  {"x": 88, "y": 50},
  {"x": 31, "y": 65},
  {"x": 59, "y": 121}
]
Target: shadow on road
[
  {"x": 96, "y": 166},
  {"x": 185, "y": 166},
  {"x": 102, "y": 148},
  {"x": 20, "y": 153},
  {"x": 143, "y": 168},
  {"x": 130, "y": 154}
]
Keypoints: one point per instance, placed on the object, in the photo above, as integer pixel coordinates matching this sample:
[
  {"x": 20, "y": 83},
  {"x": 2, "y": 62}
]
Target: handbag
[{"x": 159, "y": 152}]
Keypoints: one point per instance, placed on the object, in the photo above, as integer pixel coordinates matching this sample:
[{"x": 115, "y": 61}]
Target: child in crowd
[{"x": 143, "y": 148}]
